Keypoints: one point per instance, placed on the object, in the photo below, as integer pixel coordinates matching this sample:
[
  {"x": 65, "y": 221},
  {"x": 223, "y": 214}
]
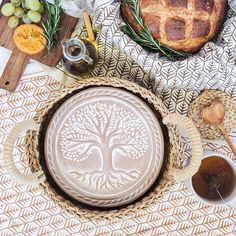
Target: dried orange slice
[{"x": 29, "y": 38}]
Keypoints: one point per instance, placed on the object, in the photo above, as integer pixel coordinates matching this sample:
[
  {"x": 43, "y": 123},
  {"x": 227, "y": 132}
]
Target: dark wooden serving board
[{"x": 18, "y": 60}]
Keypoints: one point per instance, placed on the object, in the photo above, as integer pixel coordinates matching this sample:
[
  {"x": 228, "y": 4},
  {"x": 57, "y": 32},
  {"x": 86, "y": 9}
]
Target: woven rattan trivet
[{"x": 205, "y": 99}]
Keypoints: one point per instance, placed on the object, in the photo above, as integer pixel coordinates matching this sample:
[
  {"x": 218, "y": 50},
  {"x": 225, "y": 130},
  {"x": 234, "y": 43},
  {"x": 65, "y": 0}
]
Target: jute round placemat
[
  {"x": 34, "y": 145},
  {"x": 205, "y": 99}
]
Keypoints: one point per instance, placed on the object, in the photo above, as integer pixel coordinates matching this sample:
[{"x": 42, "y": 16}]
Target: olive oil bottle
[{"x": 80, "y": 56}]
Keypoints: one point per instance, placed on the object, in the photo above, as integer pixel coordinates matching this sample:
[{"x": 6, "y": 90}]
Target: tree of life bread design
[{"x": 110, "y": 129}]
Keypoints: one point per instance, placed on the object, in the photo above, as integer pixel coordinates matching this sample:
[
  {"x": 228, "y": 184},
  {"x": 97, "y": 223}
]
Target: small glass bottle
[{"x": 80, "y": 56}]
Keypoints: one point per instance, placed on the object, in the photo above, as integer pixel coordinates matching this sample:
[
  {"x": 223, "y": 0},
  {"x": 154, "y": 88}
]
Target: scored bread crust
[{"x": 183, "y": 25}]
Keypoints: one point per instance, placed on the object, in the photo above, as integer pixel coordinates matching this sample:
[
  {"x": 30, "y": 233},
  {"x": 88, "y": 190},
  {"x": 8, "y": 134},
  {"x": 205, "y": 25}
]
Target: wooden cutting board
[{"x": 18, "y": 60}]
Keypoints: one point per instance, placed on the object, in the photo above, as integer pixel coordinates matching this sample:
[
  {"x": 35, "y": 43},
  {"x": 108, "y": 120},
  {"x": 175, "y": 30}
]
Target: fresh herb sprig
[
  {"x": 144, "y": 36},
  {"x": 52, "y": 23}
]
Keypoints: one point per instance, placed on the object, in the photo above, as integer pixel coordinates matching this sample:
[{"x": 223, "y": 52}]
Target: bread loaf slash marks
[
  {"x": 175, "y": 29},
  {"x": 177, "y": 3},
  {"x": 204, "y": 5},
  {"x": 201, "y": 28},
  {"x": 183, "y": 25}
]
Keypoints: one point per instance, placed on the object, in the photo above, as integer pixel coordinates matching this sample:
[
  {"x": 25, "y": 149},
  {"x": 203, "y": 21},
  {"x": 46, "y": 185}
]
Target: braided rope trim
[
  {"x": 175, "y": 160},
  {"x": 9, "y": 164}
]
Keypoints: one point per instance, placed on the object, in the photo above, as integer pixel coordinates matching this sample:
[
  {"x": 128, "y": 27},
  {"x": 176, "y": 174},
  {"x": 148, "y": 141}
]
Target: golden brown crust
[
  {"x": 183, "y": 25},
  {"x": 153, "y": 23},
  {"x": 129, "y": 17}
]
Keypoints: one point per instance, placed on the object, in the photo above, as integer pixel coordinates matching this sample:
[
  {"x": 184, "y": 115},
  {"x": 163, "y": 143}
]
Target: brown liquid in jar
[{"x": 214, "y": 172}]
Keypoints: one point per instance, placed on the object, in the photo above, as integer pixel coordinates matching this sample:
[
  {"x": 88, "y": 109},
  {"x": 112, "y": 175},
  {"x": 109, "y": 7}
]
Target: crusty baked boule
[{"x": 183, "y": 25}]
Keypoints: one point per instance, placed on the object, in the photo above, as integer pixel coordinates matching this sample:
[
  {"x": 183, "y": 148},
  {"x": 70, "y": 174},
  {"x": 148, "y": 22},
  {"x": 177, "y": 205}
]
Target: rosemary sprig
[
  {"x": 144, "y": 36},
  {"x": 52, "y": 23}
]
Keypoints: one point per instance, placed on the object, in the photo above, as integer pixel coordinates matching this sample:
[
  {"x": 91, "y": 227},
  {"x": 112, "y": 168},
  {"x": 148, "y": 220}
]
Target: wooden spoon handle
[
  {"x": 88, "y": 26},
  {"x": 226, "y": 136}
]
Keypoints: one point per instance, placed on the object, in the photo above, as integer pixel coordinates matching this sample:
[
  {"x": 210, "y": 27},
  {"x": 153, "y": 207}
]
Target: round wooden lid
[{"x": 104, "y": 147}]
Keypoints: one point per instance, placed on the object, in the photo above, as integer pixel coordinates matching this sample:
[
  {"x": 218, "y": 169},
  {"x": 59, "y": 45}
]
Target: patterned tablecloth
[{"x": 28, "y": 211}]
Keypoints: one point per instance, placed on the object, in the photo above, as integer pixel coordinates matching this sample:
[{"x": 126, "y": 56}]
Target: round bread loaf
[{"x": 183, "y": 25}]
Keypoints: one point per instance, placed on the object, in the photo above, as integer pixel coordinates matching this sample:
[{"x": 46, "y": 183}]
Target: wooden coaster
[{"x": 205, "y": 99}]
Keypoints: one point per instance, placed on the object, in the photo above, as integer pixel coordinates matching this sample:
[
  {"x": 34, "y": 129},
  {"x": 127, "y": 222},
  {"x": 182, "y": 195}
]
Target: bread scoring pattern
[{"x": 183, "y": 25}]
